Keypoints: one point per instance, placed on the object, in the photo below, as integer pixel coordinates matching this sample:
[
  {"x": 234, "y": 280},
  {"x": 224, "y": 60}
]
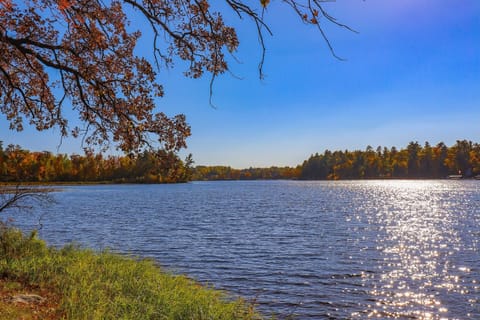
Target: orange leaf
[
  {"x": 264, "y": 3},
  {"x": 64, "y": 4},
  {"x": 7, "y": 4}
]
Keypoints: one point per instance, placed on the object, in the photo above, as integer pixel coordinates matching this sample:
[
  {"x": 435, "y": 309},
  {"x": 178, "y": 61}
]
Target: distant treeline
[
  {"x": 413, "y": 162},
  {"x": 20, "y": 165},
  {"x": 228, "y": 173}
]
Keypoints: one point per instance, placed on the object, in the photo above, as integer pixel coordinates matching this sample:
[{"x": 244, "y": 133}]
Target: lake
[{"x": 312, "y": 250}]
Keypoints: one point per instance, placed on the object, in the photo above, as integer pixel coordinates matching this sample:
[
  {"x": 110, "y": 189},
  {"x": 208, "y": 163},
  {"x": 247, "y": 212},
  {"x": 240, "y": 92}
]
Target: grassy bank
[{"x": 76, "y": 283}]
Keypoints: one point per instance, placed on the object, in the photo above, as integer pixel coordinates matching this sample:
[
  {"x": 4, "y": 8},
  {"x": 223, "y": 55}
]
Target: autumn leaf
[
  {"x": 63, "y": 4},
  {"x": 264, "y": 3},
  {"x": 7, "y": 4}
]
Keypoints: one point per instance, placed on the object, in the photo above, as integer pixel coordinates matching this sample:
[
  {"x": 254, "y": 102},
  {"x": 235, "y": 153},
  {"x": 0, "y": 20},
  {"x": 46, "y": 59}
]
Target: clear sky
[{"x": 412, "y": 74}]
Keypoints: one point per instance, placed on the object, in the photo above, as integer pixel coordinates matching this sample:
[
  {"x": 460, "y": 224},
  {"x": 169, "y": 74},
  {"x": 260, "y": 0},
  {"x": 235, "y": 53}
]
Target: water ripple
[{"x": 311, "y": 250}]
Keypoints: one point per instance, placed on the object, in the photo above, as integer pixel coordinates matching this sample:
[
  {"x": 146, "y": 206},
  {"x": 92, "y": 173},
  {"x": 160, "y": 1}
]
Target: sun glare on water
[{"x": 418, "y": 241}]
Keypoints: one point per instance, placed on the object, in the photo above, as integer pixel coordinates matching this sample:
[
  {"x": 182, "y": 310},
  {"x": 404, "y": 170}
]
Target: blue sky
[{"x": 412, "y": 74}]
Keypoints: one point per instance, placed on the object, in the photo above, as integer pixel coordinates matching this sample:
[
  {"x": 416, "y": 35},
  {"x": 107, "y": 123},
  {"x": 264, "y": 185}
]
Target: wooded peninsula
[{"x": 412, "y": 162}]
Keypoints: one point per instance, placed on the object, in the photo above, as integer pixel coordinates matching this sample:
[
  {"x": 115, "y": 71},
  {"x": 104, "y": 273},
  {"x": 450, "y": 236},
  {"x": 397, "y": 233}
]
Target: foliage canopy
[
  {"x": 413, "y": 161},
  {"x": 80, "y": 54},
  {"x": 18, "y": 165}
]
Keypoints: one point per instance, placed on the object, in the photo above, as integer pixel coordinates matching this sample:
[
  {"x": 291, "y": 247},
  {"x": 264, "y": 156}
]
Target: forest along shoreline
[{"x": 462, "y": 160}]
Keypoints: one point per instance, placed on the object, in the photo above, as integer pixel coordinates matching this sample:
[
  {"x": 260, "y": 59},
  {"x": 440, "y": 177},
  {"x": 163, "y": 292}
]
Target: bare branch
[{"x": 23, "y": 198}]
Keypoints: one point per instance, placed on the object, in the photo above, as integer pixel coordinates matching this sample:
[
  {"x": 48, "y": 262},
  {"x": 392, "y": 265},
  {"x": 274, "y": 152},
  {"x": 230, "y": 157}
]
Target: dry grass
[{"x": 13, "y": 308}]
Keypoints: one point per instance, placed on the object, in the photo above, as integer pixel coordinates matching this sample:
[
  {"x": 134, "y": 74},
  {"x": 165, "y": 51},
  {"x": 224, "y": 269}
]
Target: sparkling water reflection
[
  {"x": 314, "y": 250},
  {"x": 421, "y": 243}
]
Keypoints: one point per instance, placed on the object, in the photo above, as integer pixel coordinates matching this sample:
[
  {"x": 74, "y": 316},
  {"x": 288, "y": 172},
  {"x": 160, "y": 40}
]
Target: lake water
[{"x": 312, "y": 250}]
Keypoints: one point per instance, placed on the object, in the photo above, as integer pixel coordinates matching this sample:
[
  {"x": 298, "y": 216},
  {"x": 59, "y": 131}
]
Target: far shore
[{"x": 91, "y": 183}]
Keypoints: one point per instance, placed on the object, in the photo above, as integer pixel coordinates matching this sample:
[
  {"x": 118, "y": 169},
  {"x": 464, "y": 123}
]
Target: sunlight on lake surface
[
  {"x": 421, "y": 244},
  {"x": 312, "y": 250}
]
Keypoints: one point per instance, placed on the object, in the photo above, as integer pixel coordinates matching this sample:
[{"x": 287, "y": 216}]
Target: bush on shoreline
[{"x": 104, "y": 285}]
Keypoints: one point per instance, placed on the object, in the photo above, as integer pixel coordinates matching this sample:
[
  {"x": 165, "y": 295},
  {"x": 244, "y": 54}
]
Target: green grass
[{"x": 104, "y": 285}]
